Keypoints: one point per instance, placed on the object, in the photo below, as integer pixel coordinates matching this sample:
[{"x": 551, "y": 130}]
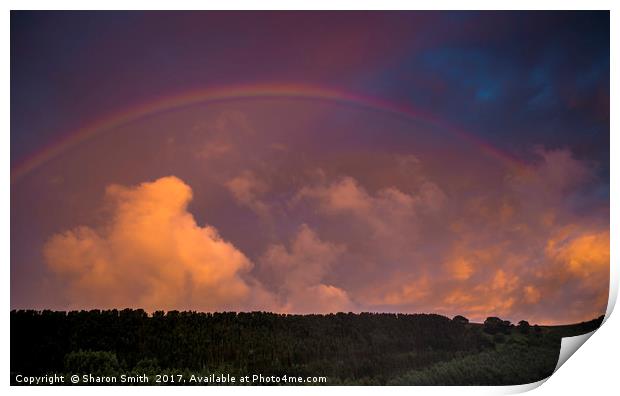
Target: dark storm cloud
[{"x": 512, "y": 77}]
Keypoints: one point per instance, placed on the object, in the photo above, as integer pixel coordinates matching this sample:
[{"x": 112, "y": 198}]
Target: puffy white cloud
[
  {"x": 385, "y": 211},
  {"x": 151, "y": 254},
  {"x": 247, "y": 188},
  {"x": 299, "y": 273}
]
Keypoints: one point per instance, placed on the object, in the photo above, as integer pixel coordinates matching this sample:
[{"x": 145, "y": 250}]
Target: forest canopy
[{"x": 347, "y": 348}]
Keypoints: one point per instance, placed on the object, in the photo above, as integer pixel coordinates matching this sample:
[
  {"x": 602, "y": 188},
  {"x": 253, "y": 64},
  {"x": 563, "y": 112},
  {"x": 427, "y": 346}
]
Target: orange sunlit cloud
[{"x": 153, "y": 255}]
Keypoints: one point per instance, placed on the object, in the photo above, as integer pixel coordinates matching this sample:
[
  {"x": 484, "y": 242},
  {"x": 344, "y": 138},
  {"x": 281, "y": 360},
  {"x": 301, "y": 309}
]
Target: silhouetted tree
[
  {"x": 524, "y": 327},
  {"x": 493, "y": 325},
  {"x": 460, "y": 319}
]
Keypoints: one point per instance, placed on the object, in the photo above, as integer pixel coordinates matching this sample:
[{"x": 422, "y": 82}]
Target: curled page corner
[
  {"x": 516, "y": 389},
  {"x": 569, "y": 347}
]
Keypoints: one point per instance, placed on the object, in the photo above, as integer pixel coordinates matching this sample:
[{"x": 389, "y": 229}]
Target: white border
[{"x": 593, "y": 370}]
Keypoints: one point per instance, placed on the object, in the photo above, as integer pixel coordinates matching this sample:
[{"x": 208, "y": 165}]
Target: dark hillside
[{"x": 346, "y": 348}]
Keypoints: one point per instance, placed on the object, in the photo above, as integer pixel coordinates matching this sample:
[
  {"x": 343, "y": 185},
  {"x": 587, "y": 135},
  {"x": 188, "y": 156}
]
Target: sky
[{"x": 312, "y": 162}]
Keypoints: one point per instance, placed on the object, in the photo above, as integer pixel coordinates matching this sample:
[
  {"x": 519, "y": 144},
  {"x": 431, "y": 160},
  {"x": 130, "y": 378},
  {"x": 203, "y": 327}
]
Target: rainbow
[{"x": 294, "y": 91}]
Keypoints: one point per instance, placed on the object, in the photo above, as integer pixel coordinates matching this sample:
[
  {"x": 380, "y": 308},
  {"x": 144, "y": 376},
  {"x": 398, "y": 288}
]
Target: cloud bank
[
  {"x": 153, "y": 255},
  {"x": 531, "y": 243}
]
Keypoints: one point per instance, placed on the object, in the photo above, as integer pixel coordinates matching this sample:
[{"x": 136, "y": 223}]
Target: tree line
[{"x": 366, "y": 348}]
